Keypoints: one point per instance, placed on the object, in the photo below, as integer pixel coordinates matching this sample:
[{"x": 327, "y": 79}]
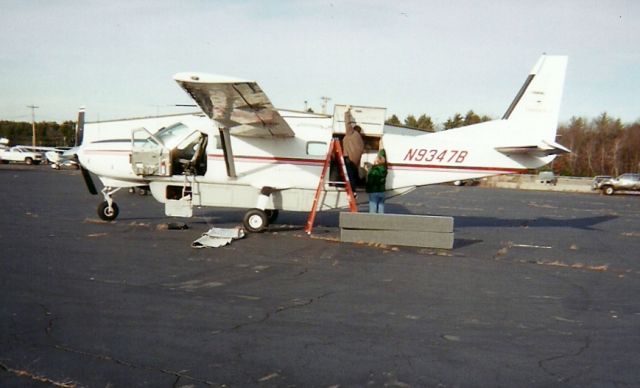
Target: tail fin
[{"x": 534, "y": 112}]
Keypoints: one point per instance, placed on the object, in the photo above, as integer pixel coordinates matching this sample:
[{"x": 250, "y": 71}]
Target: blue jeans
[{"x": 376, "y": 202}]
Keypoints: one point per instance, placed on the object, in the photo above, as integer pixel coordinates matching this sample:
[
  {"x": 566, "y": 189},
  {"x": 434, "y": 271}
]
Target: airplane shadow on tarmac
[
  {"x": 587, "y": 223},
  {"x": 297, "y": 220},
  {"x": 292, "y": 221}
]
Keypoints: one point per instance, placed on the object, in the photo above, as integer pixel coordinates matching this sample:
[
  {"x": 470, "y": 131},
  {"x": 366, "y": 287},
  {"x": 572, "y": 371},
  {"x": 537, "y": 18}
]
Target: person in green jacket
[{"x": 376, "y": 182}]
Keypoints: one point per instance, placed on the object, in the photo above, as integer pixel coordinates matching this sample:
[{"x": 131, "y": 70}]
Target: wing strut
[{"x": 225, "y": 139}]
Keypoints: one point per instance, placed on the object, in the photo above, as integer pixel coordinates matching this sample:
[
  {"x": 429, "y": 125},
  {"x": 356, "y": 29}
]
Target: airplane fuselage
[
  {"x": 242, "y": 152},
  {"x": 292, "y": 166}
]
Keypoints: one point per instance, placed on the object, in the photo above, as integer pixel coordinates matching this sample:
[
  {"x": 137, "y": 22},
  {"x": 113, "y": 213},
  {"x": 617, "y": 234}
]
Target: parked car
[
  {"x": 22, "y": 155},
  {"x": 466, "y": 182},
  {"x": 547, "y": 178},
  {"x": 595, "y": 185},
  {"x": 625, "y": 182}
]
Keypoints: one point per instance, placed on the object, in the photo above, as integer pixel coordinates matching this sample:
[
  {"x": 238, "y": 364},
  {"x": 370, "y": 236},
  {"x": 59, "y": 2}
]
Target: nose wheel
[{"x": 108, "y": 210}]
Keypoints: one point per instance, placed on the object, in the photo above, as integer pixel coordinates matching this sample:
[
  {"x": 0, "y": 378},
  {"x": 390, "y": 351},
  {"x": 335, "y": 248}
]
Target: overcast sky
[{"x": 117, "y": 58}]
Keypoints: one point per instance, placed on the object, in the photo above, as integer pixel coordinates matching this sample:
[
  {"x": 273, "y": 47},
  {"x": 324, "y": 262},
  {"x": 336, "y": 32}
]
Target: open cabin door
[
  {"x": 176, "y": 150},
  {"x": 370, "y": 119},
  {"x": 173, "y": 150},
  {"x": 149, "y": 156}
]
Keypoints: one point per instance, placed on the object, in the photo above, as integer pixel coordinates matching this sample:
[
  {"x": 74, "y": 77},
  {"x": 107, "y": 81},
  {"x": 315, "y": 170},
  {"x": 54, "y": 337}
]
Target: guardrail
[{"x": 531, "y": 182}]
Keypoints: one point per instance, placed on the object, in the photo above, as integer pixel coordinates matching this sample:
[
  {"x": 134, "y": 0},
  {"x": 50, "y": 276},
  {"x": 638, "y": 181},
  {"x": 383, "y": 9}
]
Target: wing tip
[{"x": 196, "y": 77}]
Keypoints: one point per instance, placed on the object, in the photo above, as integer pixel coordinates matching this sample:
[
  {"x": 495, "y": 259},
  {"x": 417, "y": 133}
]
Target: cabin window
[{"x": 316, "y": 148}]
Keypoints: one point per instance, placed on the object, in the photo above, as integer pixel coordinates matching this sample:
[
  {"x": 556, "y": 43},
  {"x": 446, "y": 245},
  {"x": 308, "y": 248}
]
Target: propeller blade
[{"x": 87, "y": 180}]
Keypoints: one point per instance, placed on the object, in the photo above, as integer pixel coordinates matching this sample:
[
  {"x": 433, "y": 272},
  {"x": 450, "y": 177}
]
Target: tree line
[
  {"x": 600, "y": 146},
  {"x": 425, "y": 123},
  {"x": 48, "y": 133}
]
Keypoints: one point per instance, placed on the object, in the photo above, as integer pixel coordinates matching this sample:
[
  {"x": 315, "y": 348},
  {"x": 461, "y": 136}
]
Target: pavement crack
[
  {"x": 103, "y": 357},
  {"x": 296, "y": 304},
  {"x": 47, "y": 313},
  {"x": 241, "y": 325},
  {"x": 582, "y": 349},
  {"x": 299, "y": 304}
]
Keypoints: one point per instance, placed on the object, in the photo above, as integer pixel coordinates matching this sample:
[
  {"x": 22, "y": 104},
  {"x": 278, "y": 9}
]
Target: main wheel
[
  {"x": 28, "y": 161},
  {"x": 255, "y": 220},
  {"x": 272, "y": 215},
  {"x": 608, "y": 190},
  {"x": 107, "y": 213}
]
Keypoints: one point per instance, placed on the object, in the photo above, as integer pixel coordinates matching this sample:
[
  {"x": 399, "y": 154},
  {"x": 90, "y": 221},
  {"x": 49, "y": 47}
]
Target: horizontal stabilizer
[{"x": 543, "y": 149}]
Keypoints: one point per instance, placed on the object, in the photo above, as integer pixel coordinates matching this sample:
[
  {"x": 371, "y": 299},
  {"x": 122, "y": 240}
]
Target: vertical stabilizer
[{"x": 534, "y": 111}]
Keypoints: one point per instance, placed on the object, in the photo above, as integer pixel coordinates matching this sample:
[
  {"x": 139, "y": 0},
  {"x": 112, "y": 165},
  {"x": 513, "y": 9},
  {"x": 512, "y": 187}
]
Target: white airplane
[{"x": 244, "y": 153}]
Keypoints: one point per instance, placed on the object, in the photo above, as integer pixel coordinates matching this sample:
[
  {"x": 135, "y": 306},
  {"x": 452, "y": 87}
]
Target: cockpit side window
[{"x": 172, "y": 135}]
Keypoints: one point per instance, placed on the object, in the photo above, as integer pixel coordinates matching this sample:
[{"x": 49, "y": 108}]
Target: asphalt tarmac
[{"x": 541, "y": 290}]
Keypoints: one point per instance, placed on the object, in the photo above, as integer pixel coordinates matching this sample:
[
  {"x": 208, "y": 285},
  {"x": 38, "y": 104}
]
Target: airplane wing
[{"x": 236, "y": 104}]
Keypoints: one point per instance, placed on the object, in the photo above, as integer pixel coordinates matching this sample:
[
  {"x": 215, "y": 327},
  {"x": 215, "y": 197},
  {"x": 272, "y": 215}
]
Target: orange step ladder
[{"x": 335, "y": 150}]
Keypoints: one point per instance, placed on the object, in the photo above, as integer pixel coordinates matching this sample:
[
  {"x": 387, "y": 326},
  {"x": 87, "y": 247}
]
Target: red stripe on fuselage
[
  {"x": 320, "y": 162},
  {"x": 418, "y": 167}
]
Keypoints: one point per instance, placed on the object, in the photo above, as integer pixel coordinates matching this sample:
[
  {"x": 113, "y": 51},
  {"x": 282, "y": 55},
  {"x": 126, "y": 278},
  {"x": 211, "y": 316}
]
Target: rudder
[{"x": 536, "y": 107}]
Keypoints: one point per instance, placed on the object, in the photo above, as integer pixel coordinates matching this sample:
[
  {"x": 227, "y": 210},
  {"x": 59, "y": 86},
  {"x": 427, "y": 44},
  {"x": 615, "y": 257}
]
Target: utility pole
[
  {"x": 324, "y": 104},
  {"x": 33, "y": 124}
]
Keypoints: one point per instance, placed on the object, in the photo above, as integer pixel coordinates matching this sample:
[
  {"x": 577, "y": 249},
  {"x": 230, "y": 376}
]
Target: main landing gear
[
  {"x": 108, "y": 210},
  {"x": 257, "y": 220}
]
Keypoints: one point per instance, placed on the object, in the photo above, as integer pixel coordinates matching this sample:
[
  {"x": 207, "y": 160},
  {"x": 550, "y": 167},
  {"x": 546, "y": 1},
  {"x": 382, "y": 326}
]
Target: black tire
[
  {"x": 28, "y": 161},
  {"x": 608, "y": 190},
  {"x": 255, "y": 221},
  {"x": 272, "y": 215},
  {"x": 107, "y": 214}
]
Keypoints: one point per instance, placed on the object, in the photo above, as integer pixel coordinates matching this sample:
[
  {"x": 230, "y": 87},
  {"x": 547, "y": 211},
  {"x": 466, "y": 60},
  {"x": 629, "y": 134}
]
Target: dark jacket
[{"x": 377, "y": 179}]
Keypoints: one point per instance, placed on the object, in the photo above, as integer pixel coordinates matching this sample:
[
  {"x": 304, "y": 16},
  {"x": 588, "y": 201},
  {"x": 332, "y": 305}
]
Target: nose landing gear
[{"x": 108, "y": 210}]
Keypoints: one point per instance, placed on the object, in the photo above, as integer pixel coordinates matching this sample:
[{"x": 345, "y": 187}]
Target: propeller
[
  {"x": 87, "y": 179},
  {"x": 78, "y": 142}
]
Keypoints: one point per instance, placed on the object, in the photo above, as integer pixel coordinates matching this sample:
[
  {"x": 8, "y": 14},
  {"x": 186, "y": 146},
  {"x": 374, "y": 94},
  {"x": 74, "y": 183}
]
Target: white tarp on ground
[{"x": 218, "y": 237}]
